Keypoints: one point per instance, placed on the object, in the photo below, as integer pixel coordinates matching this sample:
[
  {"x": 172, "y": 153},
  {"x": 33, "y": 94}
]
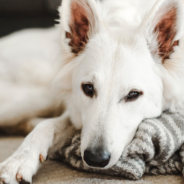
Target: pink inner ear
[
  {"x": 166, "y": 29},
  {"x": 79, "y": 26}
]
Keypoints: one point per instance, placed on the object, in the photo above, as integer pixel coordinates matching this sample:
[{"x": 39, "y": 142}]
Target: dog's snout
[{"x": 97, "y": 158}]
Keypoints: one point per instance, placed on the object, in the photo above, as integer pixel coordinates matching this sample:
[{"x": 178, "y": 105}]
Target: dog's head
[{"x": 112, "y": 77}]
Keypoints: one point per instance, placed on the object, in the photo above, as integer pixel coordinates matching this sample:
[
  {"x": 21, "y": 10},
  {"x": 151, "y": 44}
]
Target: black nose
[{"x": 97, "y": 158}]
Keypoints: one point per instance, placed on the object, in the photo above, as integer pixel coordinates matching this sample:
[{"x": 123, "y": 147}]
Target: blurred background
[{"x": 20, "y": 14}]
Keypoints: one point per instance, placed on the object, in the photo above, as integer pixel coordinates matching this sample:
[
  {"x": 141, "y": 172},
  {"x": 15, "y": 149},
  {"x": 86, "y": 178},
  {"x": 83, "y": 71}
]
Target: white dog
[{"x": 121, "y": 63}]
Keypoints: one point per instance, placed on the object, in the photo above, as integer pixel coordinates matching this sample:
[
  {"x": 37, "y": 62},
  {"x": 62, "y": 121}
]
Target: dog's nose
[{"x": 98, "y": 158}]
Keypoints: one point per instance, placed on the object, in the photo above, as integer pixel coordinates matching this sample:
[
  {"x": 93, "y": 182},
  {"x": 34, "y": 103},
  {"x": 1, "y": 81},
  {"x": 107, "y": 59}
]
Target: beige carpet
[{"x": 60, "y": 173}]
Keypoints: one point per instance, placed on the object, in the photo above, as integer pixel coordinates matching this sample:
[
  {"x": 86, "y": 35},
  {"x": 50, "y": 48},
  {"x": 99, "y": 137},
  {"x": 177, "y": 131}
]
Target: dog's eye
[
  {"x": 133, "y": 95},
  {"x": 88, "y": 89}
]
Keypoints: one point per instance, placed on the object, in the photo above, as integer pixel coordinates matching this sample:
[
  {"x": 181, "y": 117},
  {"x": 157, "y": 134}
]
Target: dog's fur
[{"x": 117, "y": 46}]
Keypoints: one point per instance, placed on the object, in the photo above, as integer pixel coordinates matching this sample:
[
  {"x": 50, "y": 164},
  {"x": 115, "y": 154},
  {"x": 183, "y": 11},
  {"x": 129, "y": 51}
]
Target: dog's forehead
[{"x": 112, "y": 56}]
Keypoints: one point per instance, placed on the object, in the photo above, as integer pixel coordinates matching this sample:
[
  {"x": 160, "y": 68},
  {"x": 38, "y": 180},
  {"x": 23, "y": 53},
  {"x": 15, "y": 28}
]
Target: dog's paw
[{"x": 20, "y": 168}]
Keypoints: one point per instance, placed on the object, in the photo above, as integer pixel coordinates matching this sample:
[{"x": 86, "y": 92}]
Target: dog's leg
[{"x": 48, "y": 136}]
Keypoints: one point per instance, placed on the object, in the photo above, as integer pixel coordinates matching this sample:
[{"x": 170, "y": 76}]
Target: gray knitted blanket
[{"x": 157, "y": 148}]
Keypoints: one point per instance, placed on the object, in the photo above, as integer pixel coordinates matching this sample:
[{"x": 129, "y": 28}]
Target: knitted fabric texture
[{"x": 157, "y": 148}]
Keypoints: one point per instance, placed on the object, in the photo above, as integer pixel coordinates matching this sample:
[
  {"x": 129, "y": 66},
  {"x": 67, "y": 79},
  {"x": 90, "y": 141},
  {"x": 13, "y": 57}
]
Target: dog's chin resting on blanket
[{"x": 157, "y": 148}]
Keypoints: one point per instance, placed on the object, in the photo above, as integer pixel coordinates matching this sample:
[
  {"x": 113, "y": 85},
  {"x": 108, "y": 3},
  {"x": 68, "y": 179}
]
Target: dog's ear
[
  {"x": 164, "y": 27},
  {"x": 79, "y": 21}
]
